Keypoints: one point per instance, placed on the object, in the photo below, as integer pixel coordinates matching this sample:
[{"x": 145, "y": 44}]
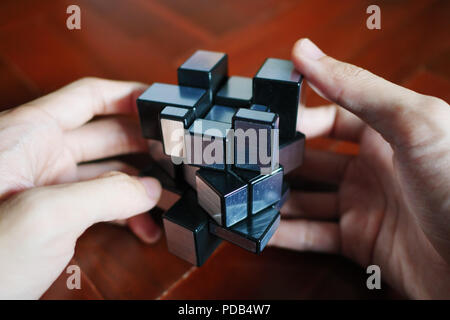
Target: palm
[{"x": 376, "y": 226}]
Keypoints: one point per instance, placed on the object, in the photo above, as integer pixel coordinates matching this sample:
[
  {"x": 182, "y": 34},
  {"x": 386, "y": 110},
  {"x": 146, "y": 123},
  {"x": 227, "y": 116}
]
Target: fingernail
[
  {"x": 152, "y": 186},
  {"x": 308, "y": 49},
  {"x": 150, "y": 234},
  {"x": 145, "y": 228}
]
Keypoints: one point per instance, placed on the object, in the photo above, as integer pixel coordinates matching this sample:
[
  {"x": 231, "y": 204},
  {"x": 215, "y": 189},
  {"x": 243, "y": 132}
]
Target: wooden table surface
[{"x": 146, "y": 41}]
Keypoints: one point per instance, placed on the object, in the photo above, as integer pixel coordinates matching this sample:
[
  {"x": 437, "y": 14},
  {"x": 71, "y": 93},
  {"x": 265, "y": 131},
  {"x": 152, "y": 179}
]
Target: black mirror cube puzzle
[{"x": 236, "y": 139}]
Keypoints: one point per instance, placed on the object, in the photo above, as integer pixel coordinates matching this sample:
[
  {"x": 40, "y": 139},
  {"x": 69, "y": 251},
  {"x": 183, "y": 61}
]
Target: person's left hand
[{"x": 47, "y": 198}]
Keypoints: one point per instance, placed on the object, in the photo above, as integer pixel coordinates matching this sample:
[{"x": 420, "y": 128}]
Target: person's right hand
[{"x": 393, "y": 203}]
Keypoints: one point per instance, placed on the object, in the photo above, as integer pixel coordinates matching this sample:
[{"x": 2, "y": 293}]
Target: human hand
[
  {"x": 392, "y": 207},
  {"x": 47, "y": 198}
]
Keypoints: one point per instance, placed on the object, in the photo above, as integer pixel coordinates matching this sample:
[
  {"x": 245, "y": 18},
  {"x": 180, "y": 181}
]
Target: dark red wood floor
[{"x": 146, "y": 41}]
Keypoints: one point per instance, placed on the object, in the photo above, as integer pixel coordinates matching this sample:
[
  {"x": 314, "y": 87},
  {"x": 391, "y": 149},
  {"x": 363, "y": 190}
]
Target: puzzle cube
[
  {"x": 277, "y": 85},
  {"x": 291, "y": 152},
  {"x": 237, "y": 92},
  {"x": 256, "y": 140},
  {"x": 204, "y": 69},
  {"x": 160, "y": 95},
  {"x": 264, "y": 190},
  {"x": 174, "y": 121},
  {"x": 253, "y": 233},
  {"x": 221, "y": 114},
  {"x": 209, "y": 144},
  {"x": 223, "y": 195},
  {"x": 186, "y": 228}
]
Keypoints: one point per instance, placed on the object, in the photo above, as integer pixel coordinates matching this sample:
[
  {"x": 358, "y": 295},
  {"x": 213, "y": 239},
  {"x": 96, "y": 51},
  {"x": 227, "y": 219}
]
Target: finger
[
  {"x": 104, "y": 138},
  {"x": 78, "y": 102},
  {"x": 93, "y": 170},
  {"x": 322, "y": 166},
  {"x": 141, "y": 225},
  {"x": 313, "y": 205},
  {"x": 387, "y": 107},
  {"x": 304, "y": 235},
  {"x": 145, "y": 228},
  {"x": 74, "y": 207},
  {"x": 330, "y": 121}
]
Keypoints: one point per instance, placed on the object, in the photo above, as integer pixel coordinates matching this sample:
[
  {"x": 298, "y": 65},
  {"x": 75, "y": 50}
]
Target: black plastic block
[
  {"x": 186, "y": 228},
  {"x": 223, "y": 195},
  {"x": 204, "y": 69},
  {"x": 291, "y": 152},
  {"x": 160, "y": 95},
  {"x": 237, "y": 92},
  {"x": 209, "y": 144},
  {"x": 264, "y": 190},
  {"x": 253, "y": 233},
  {"x": 174, "y": 121},
  {"x": 221, "y": 114},
  {"x": 277, "y": 85},
  {"x": 256, "y": 140}
]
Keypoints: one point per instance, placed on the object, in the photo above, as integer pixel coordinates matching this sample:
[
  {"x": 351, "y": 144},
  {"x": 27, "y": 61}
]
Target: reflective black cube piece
[
  {"x": 255, "y": 140},
  {"x": 186, "y": 228},
  {"x": 160, "y": 95},
  {"x": 253, "y": 233},
  {"x": 236, "y": 92},
  {"x": 174, "y": 121},
  {"x": 223, "y": 195},
  {"x": 204, "y": 69},
  {"x": 259, "y": 107},
  {"x": 221, "y": 113},
  {"x": 277, "y": 85},
  {"x": 264, "y": 190},
  {"x": 209, "y": 144},
  {"x": 291, "y": 152}
]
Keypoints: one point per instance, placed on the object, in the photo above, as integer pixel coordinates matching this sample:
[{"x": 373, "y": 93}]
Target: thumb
[
  {"x": 397, "y": 113},
  {"x": 75, "y": 207}
]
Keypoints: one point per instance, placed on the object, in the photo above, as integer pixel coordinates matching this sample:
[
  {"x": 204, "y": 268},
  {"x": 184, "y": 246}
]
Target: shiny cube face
[
  {"x": 221, "y": 114},
  {"x": 256, "y": 140},
  {"x": 174, "y": 121},
  {"x": 252, "y": 234},
  {"x": 264, "y": 190},
  {"x": 209, "y": 144},
  {"x": 180, "y": 241},
  {"x": 236, "y": 92},
  {"x": 291, "y": 152},
  {"x": 223, "y": 195}
]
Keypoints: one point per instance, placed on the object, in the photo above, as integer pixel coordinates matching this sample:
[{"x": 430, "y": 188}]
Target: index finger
[
  {"x": 78, "y": 102},
  {"x": 388, "y": 108}
]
